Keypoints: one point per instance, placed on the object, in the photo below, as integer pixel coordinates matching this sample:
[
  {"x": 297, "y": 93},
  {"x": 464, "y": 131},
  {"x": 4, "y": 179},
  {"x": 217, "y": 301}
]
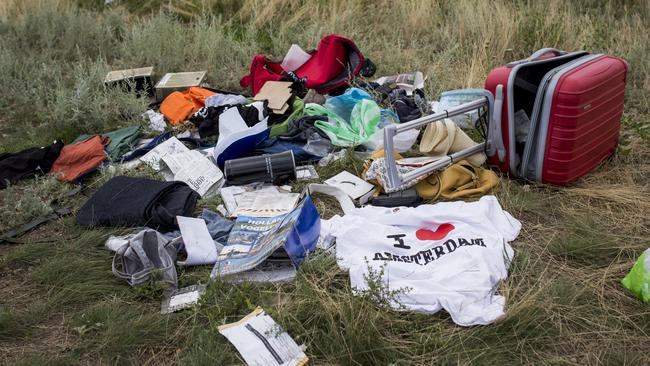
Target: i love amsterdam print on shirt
[{"x": 450, "y": 255}]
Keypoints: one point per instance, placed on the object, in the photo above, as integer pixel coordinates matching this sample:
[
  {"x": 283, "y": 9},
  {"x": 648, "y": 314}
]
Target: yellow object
[{"x": 461, "y": 179}]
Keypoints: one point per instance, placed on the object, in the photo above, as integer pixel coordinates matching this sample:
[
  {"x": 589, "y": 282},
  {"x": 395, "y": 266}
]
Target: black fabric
[
  {"x": 127, "y": 201},
  {"x": 299, "y": 130},
  {"x": 407, "y": 107},
  {"x": 28, "y": 163},
  {"x": 275, "y": 119},
  {"x": 207, "y": 118}
]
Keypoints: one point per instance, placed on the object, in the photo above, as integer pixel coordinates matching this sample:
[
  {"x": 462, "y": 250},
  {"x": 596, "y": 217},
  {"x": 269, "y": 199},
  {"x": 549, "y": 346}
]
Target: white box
[
  {"x": 178, "y": 81},
  {"x": 355, "y": 187}
]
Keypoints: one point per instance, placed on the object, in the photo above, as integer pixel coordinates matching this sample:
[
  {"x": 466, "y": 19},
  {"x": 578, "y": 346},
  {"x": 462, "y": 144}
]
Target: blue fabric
[
  {"x": 275, "y": 145},
  {"x": 240, "y": 147},
  {"x": 148, "y": 147},
  {"x": 218, "y": 227},
  {"x": 303, "y": 237}
]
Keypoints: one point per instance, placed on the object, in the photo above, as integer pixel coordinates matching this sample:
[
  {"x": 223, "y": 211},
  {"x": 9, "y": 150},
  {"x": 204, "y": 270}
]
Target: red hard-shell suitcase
[{"x": 573, "y": 102}]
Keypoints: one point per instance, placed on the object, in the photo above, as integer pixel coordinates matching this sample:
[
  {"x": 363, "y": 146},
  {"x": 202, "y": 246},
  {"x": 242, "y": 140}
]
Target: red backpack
[{"x": 332, "y": 65}]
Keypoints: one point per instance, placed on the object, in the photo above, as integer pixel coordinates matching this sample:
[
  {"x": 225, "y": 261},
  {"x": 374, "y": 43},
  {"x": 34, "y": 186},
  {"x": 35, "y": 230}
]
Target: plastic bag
[
  {"x": 402, "y": 142},
  {"x": 638, "y": 280},
  {"x": 453, "y": 98},
  {"x": 363, "y": 123},
  {"x": 343, "y": 104}
]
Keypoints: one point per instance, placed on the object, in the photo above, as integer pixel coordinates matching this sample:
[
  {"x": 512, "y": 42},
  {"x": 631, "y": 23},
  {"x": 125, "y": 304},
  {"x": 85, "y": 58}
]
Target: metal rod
[
  {"x": 423, "y": 121},
  {"x": 444, "y": 162}
]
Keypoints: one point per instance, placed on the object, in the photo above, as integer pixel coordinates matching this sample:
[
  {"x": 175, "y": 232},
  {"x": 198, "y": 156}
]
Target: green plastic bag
[
  {"x": 364, "y": 122},
  {"x": 638, "y": 280}
]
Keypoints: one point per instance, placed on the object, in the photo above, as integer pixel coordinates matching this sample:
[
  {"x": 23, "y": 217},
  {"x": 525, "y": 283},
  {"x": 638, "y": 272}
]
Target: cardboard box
[
  {"x": 178, "y": 81},
  {"x": 142, "y": 78}
]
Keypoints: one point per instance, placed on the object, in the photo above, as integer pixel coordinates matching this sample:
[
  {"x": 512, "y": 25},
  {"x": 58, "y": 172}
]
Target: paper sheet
[
  {"x": 294, "y": 58},
  {"x": 198, "y": 243},
  {"x": 170, "y": 147},
  {"x": 195, "y": 169},
  {"x": 181, "y": 299},
  {"x": 261, "y": 341}
]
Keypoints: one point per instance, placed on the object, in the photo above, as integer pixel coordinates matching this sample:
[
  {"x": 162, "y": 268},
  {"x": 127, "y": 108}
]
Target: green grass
[{"x": 60, "y": 304}]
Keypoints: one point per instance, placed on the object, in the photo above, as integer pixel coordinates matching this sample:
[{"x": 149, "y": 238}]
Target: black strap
[{"x": 57, "y": 211}]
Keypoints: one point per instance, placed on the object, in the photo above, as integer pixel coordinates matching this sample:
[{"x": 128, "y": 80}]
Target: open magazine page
[{"x": 252, "y": 240}]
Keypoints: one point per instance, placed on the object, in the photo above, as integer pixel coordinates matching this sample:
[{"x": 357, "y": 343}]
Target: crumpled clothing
[
  {"x": 219, "y": 100},
  {"x": 179, "y": 106},
  {"x": 122, "y": 141},
  {"x": 80, "y": 158},
  {"x": 207, "y": 119},
  {"x": 407, "y": 107},
  {"x": 301, "y": 129},
  {"x": 278, "y": 122},
  {"x": 28, "y": 163},
  {"x": 128, "y": 201}
]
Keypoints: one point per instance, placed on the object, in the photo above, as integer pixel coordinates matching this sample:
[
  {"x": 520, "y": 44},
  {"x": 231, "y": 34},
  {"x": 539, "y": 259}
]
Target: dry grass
[{"x": 565, "y": 304}]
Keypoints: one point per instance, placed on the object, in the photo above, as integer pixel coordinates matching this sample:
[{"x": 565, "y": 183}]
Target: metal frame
[{"x": 395, "y": 179}]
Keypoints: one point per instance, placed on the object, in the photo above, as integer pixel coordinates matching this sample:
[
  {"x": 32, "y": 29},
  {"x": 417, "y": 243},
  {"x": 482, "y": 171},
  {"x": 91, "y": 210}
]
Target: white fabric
[
  {"x": 422, "y": 261},
  {"x": 219, "y": 100}
]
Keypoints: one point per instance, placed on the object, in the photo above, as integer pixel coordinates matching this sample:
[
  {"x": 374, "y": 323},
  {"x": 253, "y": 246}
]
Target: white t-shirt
[{"x": 450, "y": 255}]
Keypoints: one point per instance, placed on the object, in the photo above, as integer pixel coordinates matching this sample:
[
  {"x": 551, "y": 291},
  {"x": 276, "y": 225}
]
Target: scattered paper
[
  {"x": 306, "y": 172},
  {"x": 294, "y": 58},
  {"x": 200, "y": 247},
  {"x": 171, "y": 146},
  {"x": 182, "y": 298},
  {"x": 261, "y": 341},
  {"x": 195, "y": 169}
]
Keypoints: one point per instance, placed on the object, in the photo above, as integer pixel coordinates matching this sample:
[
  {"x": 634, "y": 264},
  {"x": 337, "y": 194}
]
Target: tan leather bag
[{"x": 461, "y": 179}]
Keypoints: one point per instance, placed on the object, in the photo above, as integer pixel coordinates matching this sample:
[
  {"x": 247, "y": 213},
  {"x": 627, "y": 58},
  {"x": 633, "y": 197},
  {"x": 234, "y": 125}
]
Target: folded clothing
[
  {"x": 122, "y": 141},
  {"x": 128, "y": 201},
  {"x": 27, "y": 163},
  {"x": 80, "y": 158},
  {"x": 179, "y": 106}
]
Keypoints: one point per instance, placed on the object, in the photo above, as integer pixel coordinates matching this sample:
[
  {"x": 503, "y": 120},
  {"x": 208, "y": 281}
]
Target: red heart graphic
[{"x": 440, "y": 233}]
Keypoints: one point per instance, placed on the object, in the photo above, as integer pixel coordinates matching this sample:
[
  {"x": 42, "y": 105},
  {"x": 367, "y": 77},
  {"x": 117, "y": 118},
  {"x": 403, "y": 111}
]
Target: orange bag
[
  {"x": 179, "y": 106},
  {"x": 78, "y": 159}
]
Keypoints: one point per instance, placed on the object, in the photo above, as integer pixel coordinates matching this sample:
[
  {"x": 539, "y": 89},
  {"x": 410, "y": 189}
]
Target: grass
[{"x": 60, "y": 304}]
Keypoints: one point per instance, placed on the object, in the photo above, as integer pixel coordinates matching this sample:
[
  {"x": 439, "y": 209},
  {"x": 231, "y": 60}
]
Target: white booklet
[{"x": 261, "y": 341}]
